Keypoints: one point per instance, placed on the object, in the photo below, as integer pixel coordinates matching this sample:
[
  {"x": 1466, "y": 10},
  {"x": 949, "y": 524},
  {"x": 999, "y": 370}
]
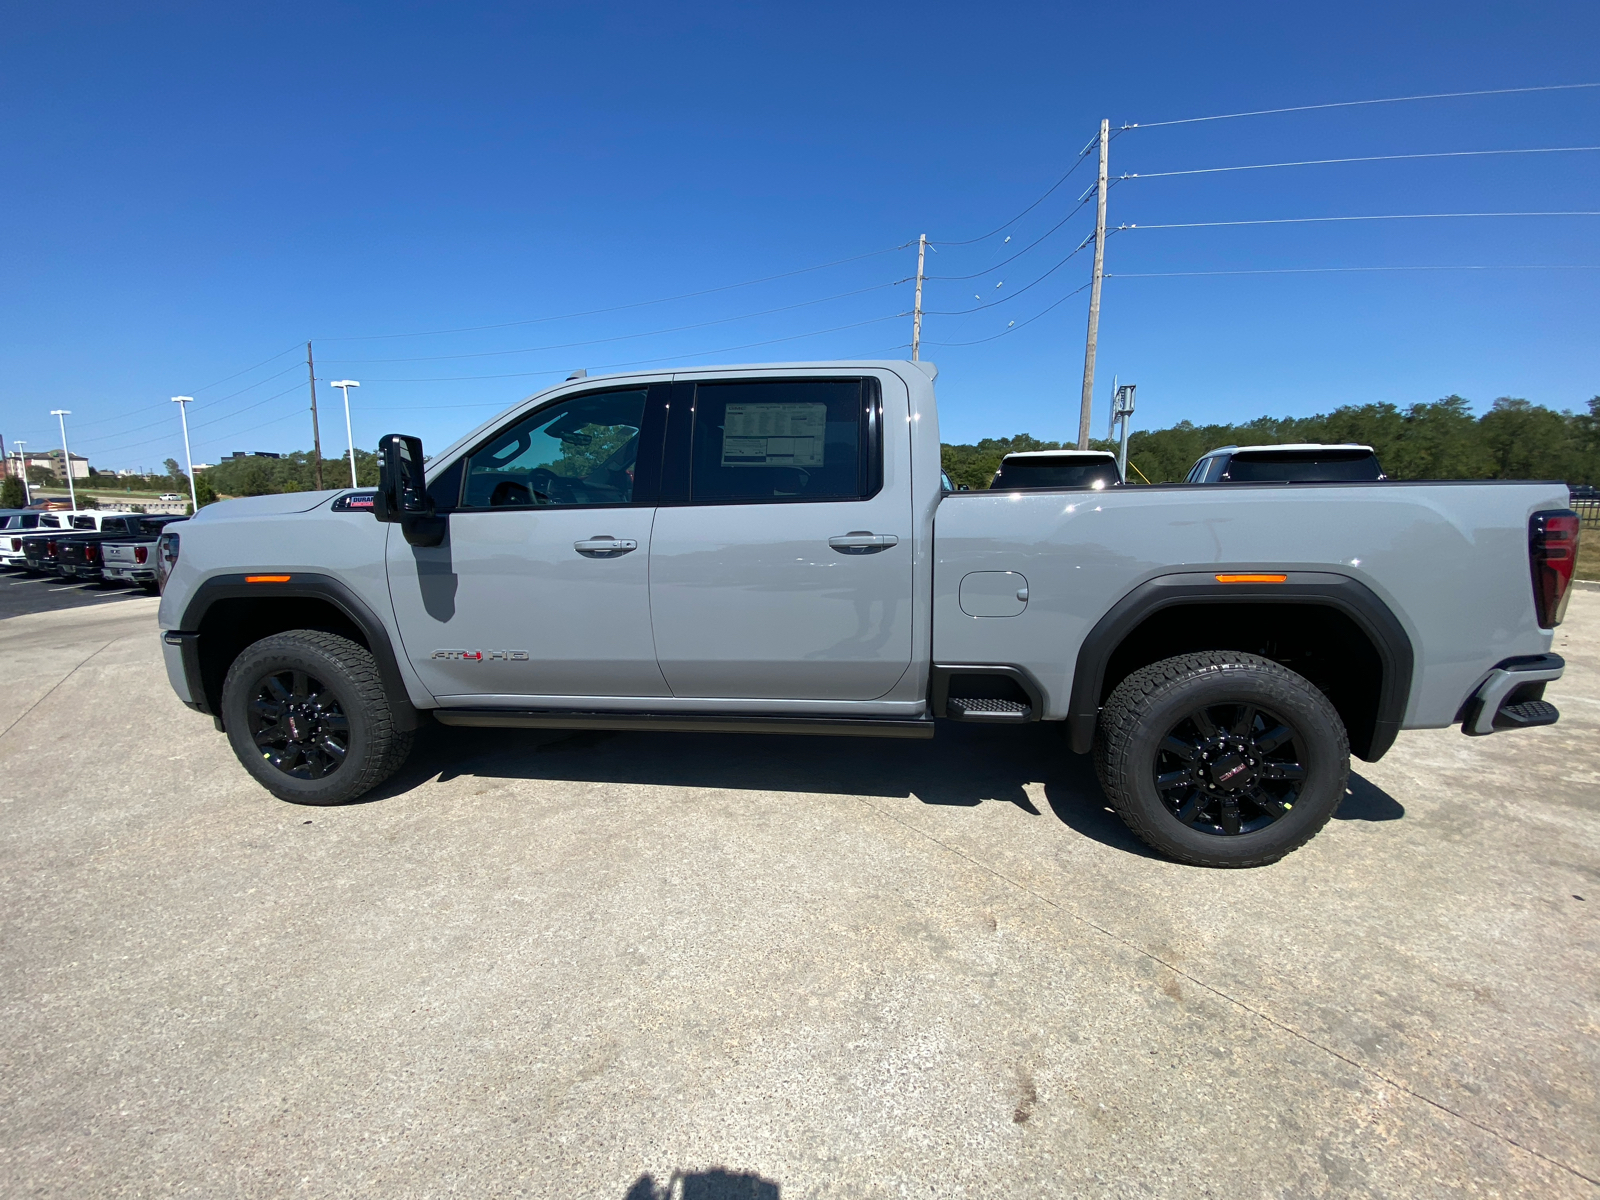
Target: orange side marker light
[
  {"x": 285, "y": 578},
  {"x": 1252, "y": 578}
]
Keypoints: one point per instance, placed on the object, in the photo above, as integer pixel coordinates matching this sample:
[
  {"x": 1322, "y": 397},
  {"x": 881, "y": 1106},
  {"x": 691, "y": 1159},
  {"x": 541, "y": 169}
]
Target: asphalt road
[
  {"x": 633, "y": 966},
  {"x": 21, "y": 593}
]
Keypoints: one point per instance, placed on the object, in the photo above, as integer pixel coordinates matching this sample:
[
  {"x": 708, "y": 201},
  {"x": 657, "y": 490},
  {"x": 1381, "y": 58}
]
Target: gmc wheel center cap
[{"x": 1230, "y": 771}]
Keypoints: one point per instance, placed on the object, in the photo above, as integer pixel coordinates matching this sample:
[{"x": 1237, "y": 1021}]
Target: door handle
[
  {"x": 605, "y": 546},
  {"x": 861, "y": 541}
]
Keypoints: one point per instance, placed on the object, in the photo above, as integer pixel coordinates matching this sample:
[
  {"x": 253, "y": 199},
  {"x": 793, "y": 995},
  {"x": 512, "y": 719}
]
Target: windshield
[
  {"x": 1330, "y": 466},
  {"x": 1025, "y": 473}
]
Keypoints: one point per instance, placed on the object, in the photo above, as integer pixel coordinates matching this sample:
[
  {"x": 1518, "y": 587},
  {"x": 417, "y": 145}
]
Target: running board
[{"x": 508, "y": 718}]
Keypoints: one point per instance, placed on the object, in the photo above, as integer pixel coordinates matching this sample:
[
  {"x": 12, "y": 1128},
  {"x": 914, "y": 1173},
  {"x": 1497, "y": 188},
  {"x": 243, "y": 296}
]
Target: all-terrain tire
[
  {"x": 1153, "y": 702},
  {"x": 374, "y": 747}
]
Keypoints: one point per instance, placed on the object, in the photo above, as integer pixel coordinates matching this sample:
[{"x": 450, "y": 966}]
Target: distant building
[
  {"x": 52, "y": 462},
  {"x": 250, "y": 454}
]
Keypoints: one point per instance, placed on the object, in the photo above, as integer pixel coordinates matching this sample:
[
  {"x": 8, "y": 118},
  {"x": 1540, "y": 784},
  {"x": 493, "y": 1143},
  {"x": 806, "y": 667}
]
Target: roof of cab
[
  {"x": 1102, "y": 454},
  {"x": 1306, "y": 447}
]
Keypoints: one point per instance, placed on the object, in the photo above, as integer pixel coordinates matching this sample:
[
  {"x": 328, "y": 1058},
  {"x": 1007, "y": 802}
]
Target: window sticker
[{"x": 774, "y": 435}]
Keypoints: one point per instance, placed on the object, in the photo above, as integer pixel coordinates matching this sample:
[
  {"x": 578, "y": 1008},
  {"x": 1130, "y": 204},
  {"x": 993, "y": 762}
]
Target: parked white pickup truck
[{"x": 770, "y": 549}]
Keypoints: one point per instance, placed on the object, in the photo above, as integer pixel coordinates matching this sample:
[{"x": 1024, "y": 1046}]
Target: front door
[
  {"x": 781, "y": 563},
  {"x": 541, "y": 588}
]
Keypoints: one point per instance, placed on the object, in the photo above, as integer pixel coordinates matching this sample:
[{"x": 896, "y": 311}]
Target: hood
[{"x": 266, "y": 506}]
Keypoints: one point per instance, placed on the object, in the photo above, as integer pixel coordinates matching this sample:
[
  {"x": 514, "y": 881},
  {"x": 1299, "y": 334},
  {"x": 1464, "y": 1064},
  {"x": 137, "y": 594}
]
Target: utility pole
[
  {"x": 183, "y": 403},
  {"x": 316, "y": 434},
  {"x": 66, "y": 456},
  {"x": 1086, "y": 413},
  {"x": 916, "y": 315}
]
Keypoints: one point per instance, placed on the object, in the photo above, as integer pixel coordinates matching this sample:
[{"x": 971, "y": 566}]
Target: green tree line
[{"x": 1441, "y": 440}]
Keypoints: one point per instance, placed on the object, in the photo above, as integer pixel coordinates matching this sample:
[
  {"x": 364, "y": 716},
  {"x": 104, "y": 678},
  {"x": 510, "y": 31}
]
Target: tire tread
[
  {"x": 1124, "y": 712},
  {"x": 387, "y": 747}
]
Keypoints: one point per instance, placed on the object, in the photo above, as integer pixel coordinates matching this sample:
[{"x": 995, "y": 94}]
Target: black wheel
[
  {"x": 1221, "y": 759},
  {"x": 307, "y": 715}
]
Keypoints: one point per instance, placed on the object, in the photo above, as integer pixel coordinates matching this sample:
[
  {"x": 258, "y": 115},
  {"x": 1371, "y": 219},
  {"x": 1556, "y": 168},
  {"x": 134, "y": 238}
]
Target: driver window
[{"x": 580, "y": 451}]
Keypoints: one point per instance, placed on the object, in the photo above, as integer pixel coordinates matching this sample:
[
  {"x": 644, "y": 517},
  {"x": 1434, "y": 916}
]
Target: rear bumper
[
  {"x": 131, "y": 574},
  {"x": 1512, "y": 697}
]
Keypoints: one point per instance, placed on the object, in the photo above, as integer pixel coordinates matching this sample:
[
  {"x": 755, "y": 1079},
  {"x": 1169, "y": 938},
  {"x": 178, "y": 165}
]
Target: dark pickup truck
[{"x": 83, "y": 555}]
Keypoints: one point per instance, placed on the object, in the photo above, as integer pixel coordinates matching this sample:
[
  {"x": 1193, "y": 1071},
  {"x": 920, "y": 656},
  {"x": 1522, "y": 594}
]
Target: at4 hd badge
[{"x": 480, "y": 655}]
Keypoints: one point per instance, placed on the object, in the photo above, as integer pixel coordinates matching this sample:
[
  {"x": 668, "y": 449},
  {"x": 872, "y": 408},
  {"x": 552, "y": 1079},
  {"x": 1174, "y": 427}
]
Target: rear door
[{"x": 781, "y": 563}]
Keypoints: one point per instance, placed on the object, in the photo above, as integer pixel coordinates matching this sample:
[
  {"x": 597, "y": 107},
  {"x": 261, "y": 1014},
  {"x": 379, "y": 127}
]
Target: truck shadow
[
  {"x": 963, "y": 766},
  {"x": 715, "y": 1184}
]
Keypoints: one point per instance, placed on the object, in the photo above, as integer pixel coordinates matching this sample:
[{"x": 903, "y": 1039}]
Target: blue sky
[{"x": 191, "y": 189}]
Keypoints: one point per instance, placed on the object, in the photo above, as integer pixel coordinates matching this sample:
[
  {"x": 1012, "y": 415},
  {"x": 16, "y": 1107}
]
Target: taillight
[
  {"x": 166, "y": 557},
  {"x": 1553, "y": 554},
  {"x": 141, "y": 554},
  {"x": 90, "y": 553},
  {"x": 50, "y": 549},
  {"x": 16, "y": 543}
]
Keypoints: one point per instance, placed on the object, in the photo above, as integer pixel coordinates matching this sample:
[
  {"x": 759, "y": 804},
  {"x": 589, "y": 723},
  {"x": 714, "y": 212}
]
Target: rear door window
[
  {"x": 1023, "y": 473},
  {"x": 1303, "y": 468},
  {"x": 776, "y": 440}
]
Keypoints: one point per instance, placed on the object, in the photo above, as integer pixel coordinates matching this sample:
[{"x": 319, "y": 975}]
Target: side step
[
  {"x": 503, "y": 718},
  {"x": 1527, "y": 715},
  {"x": 963, "y": 708}
]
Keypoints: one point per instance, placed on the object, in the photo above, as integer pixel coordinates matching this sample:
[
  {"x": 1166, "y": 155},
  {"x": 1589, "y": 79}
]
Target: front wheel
[
  {"x": 1221, "y": 759},
  {"x": 307, "y": 715}
]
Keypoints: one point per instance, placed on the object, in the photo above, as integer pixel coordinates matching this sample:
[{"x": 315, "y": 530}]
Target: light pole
[
  {"x": 66, "y": 457},
  {"x": 22, "y": 461},
  {"x": 344, "y": 385},
  {"x": 183, "y": 403}
]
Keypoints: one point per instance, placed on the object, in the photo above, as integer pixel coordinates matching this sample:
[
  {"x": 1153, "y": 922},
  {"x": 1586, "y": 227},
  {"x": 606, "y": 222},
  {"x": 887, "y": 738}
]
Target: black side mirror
[{"x": 403, "y": 492}]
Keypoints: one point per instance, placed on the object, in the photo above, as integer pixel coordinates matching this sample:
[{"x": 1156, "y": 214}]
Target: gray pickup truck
[{"x": 769, "y": 549}]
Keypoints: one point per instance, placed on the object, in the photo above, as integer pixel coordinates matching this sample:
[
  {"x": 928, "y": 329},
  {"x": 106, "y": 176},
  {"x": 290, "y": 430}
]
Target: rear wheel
[
  {"x": 1221, "y": 759},
  {"x": 307, "y": 715}
]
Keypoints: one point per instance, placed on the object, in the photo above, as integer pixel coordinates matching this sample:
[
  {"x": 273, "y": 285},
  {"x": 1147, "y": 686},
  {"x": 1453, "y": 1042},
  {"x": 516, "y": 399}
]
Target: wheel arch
[
  {"x": 228, "y": 613},
  {"x": 1330, "y": 620}
]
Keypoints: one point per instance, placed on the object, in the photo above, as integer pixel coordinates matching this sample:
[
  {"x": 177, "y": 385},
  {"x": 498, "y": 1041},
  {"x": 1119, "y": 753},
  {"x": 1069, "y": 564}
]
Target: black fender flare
[
  {"x": 1340, "y": 592},
  {"x": 297, "y": 585}
]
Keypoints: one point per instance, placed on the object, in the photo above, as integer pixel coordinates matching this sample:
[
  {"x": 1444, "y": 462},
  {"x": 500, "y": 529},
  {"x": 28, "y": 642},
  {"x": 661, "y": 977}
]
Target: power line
[
  {"x": 105, "y": 437},
  {"x": 993, "y": 303},
  {"x": 663, "y": 358},
  {"x": 1265, "y": 112},
  {"x": 1013, "y": 328},
  {"x": 247, "y": 370},
  {"x": 627, "y": 336},
  {"x": 263, "y": 425},
  {"x": 1025, "y": 249},
  {"x": 1339, "y": 270},
  {"x": 118, "y": 449},
  {"x": 1049, "y": 191},
  {"x": 247, "y": 408},
  {"x": 1318, "y": 162},
  {"x": 727, "y": 287},
  {"x": 1380, "y": 217}
]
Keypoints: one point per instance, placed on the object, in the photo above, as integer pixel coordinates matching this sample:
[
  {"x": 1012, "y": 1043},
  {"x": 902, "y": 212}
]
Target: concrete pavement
[{"x": 639, "y": 965}]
